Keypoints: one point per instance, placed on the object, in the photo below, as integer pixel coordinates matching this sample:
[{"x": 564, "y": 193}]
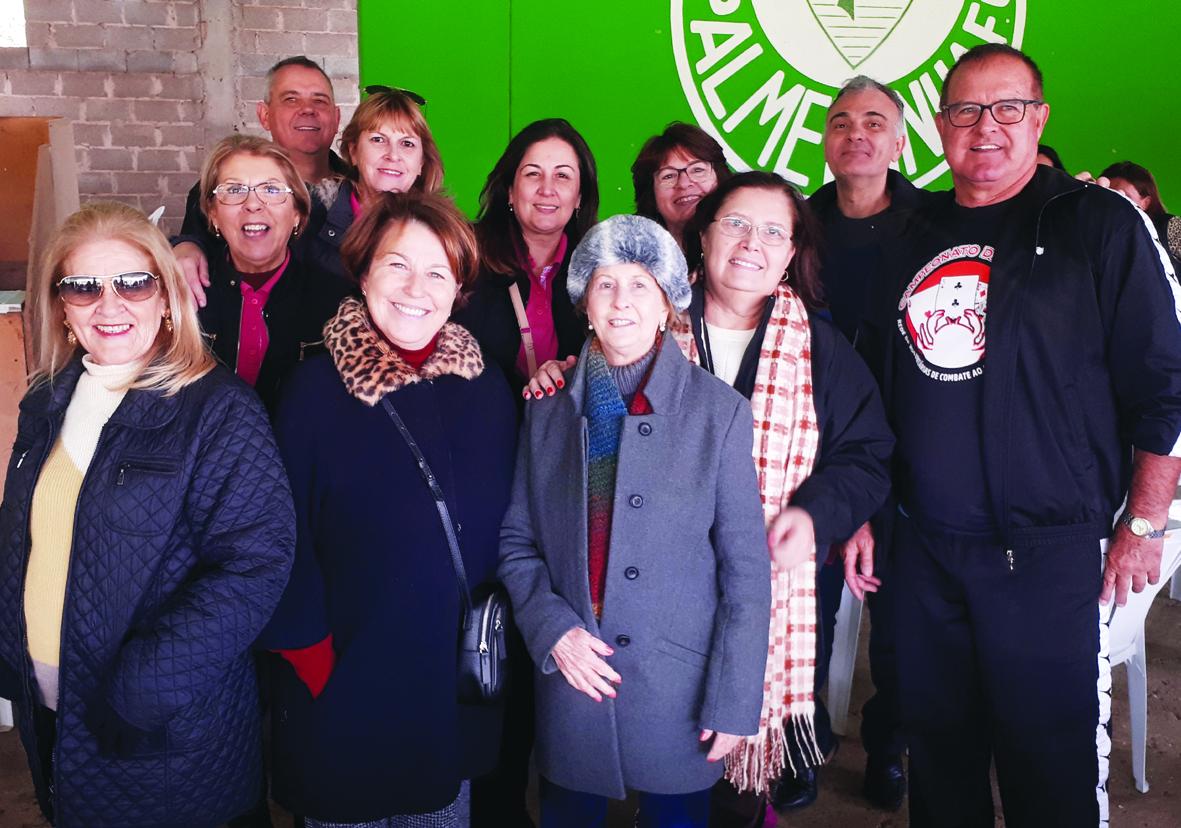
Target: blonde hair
[
  {"x": 175, "y": 359},
  {"x": 262, "y": 148},
  {"x": 396, "y": 107}
]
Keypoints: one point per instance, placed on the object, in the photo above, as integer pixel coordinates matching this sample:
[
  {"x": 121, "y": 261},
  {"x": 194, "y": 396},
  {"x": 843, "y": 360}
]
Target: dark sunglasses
[
  {"x": 133, "y": 286},
  {"x": 377, "y": 89}
]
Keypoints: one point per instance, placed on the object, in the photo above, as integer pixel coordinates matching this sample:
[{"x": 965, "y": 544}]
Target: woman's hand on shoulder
[
  {"x": 791, "y": 537},
  {"x": 549, "y": 378},
  {"x": 579, "y": 655},
  {"x": 195, "y": 268},
  {"x": 723, "y": 744}
]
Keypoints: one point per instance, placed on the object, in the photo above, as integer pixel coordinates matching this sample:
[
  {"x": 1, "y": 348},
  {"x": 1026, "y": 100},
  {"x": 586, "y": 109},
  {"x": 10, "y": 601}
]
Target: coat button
[
  {"x": 645, "y": 429},
  {"x": 631, "y": 573},
  {"x": 623, "y": 640},
  {"x": 636, "y": 501},
  {"x": 331, "y": 233}
]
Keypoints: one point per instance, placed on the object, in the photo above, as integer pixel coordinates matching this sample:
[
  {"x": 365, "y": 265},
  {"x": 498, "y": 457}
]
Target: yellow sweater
[{"x": 51, "y": 515}]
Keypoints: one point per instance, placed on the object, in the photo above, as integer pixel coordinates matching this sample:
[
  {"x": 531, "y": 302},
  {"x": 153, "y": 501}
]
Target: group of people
[{"x": 261, "y": 473}]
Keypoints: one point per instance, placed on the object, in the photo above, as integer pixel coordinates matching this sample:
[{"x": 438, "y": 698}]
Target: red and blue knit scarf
[{"x": 605, "y": 411}]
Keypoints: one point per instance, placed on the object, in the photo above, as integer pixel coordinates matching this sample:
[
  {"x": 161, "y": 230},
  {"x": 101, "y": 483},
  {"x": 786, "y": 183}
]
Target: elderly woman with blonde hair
[{"x": 146, "y": 534}]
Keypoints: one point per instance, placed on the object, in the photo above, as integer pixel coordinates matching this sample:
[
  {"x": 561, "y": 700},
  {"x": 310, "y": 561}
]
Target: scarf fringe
[{"x": 761, "y": 759}]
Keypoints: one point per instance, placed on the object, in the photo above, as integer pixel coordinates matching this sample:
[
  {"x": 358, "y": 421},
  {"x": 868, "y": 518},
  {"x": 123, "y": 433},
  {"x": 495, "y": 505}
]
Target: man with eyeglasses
[
  {"x": 1031, "y": 367},
  {"x": 299, "y": 111},
  {"x": 861, "y": 209}
]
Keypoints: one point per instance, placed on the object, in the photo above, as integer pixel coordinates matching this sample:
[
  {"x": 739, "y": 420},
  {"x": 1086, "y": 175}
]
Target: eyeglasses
[
  {"x": 133, "y": 286},
  {"x": 698, "y": 172},
  {"x": 969, "y": 113},
  {"x": 268, "y": 193},
  {"x": 772, "y": 235},
  {"x": 377, "y": 89}
]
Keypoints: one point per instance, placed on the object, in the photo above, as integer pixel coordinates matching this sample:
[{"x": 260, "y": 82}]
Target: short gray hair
[
  {"x": 861, "y": 83},
  {"x": 297, "y": 60}
]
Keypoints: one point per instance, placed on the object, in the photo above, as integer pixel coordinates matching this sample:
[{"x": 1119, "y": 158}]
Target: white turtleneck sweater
[{"x": 99, "y": 391}]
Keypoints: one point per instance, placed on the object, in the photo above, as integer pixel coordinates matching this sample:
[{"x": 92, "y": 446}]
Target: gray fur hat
[{"x": 630, "y": 240}]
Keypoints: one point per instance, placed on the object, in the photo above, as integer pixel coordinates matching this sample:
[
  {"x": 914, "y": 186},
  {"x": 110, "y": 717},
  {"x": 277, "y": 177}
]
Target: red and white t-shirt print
[{"x": 942, "y": 313}]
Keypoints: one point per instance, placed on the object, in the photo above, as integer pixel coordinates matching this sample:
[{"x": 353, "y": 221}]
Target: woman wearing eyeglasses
[
  {"x": 146, "y": 534},
  {"x": 389, "y": 149},
  {"x": 674, "y": 171},
  {"x": 266, "y": 303},
  {"x": 821, "y": 440}
]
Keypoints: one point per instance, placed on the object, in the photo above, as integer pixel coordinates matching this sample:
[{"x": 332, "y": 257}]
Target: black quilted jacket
[{"x": 183, "y": 540}]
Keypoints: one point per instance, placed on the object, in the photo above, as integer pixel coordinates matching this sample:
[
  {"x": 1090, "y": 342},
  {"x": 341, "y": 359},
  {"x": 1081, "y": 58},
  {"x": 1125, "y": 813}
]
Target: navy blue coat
[
  {"x": 386, "y": 736},
  {"x": 183, "y": 541}
]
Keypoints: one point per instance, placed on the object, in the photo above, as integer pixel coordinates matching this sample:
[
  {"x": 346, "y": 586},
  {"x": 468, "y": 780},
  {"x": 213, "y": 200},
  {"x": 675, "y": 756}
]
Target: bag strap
[
  {"x": 514, "y": 293},
  {"x": 465, "y": 596}
]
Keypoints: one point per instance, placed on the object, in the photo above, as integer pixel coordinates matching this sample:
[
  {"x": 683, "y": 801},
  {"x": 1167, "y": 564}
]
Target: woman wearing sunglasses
[
  {"x": 146, "y": 534},
  {"x": 389, "y": 148},
  {"x": 266, "y": 303},
  {"x": 674, "y": 171}
]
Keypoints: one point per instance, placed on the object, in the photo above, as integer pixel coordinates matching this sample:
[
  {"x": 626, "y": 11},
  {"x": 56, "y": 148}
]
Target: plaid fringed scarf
[
  {"x": 605, "y": 411},
  {"x": 785, "y": 447}
]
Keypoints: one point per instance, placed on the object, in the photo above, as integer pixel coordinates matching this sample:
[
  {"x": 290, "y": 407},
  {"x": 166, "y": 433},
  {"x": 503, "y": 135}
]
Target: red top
[
  {"x": 253, "y": 337},
  {"x": 416, "y": 358},
  {"x": 539, "y": 309}
]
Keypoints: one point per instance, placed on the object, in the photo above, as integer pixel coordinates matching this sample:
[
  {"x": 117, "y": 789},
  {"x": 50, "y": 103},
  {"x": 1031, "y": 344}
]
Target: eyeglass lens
[
  {"x": 135, "y": 286},
  {"x": 269, "y": 193},
  {"x": 738, "y": 227},
  {"x": 1003, "y": 112},
  {"x": 669, "y": 176}
]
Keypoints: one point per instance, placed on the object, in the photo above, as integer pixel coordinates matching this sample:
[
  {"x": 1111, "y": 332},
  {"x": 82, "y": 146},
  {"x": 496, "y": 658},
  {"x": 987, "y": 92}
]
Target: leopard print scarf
[{"x": 370, "y": 368}]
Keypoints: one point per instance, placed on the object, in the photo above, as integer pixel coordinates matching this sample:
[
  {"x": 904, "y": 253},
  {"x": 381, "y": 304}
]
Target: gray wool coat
[{"x": 688, "y": 595}]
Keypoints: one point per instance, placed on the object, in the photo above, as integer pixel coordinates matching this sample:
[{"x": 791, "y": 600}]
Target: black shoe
[
  {"x": 885, "y": 781},
  {"x": 794, "y": 792}
]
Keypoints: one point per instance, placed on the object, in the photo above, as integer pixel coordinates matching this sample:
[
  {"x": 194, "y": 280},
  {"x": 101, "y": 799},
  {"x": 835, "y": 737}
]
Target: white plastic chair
[
  {"x": 1126, "y": 642},
  {"x": 844, "y": 658}
]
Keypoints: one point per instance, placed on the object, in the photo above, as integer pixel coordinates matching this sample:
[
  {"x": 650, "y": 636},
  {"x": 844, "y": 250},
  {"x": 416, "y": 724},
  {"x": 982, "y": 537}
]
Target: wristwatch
[{"x": 1140, "y": 527}]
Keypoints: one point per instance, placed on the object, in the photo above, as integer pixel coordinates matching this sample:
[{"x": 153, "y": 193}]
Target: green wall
[{"x": 488, "y": 67}]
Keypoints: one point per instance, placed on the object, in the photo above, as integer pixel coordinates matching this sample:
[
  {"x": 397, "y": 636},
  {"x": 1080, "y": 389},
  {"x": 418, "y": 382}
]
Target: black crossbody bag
[{"x": 481, "y": 665}]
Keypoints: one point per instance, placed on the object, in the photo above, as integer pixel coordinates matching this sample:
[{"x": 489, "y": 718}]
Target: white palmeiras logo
[
  {"x": 760, "y": 74},
  {"x": 942, "y": 313}
]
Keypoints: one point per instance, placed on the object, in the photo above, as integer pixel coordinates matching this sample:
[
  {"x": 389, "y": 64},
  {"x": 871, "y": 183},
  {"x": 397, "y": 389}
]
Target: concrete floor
[{"x": 839, "y": 803}]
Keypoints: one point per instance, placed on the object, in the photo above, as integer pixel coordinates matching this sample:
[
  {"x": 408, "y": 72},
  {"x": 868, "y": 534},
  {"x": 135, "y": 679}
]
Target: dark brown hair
[
  {"x": 693, "y": 141},
  {"x": 398, "y": 108},
  {"x": 988, "y": 51},
  {"x": 803, "y": 272},
  {"x": 436, "y": 212},
  {"x": 1140, "y": 178},
  {"x": 496, "y": 226}
]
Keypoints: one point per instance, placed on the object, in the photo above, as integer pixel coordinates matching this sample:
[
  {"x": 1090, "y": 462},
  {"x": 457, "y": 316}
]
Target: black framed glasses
[
  {"x": 268, "y": 193},
  {"x": 1008, "y": 111},
  {"x": 772, "y": 235},
  {"x": 698, "y": 172},
  {"x": 377, "y": 89},
  {"x": 133, "y": 286}
]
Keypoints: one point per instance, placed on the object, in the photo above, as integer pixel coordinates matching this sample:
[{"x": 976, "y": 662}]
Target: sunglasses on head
[
  {"x": 133, "y": 286},
  {"x": 377, "y": 89}
]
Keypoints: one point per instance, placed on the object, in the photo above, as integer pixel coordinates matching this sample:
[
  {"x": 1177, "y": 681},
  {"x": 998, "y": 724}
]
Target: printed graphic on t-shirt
[{"x": 942, "y": 312}]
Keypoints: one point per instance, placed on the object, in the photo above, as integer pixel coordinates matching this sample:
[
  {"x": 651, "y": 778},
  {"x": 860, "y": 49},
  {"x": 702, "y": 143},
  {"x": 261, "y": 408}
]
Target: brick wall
[{"x": 151, "y": 84}]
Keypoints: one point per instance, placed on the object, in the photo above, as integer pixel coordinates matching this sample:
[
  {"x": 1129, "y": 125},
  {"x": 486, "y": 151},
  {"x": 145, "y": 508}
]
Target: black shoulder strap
[{"x": 465, "y": 596}]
